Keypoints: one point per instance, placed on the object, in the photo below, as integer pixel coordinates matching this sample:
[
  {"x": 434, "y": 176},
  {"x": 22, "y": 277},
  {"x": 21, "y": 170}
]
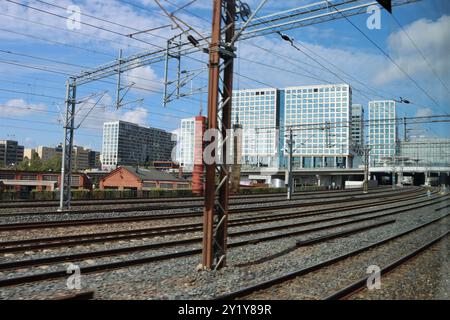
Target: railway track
[
  {"x": 177, "y": 254},
  {"x": 360, "y": 284},
  {"x": 65, "y": 241},
  {"x": 54, "y": 203},
  {"x": 190, "y": 214},
  {"x": 171, "y": 205},
  {"x": 262, "y": 287}
]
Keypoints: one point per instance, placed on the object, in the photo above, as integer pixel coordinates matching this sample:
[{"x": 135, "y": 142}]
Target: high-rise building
[
  {"x": 80, "y": 158},
  {"x": 319, "y": 117},
  {"x": 29, "y": 152},
  {"x": 11, "y": 153},
  {"x": 176, "y": 138},
  {"x": 126, "y": 143},
  {"x": 257, "y": 111},
  {"x": 47, "y": 153},
  {"x": 189, "y": 135},
  {"x": 357, "y": 126},
  {"x": 94, "y": 159},
  {"x": 186, "y": 142},
  {"x": 382, "y": 135}
]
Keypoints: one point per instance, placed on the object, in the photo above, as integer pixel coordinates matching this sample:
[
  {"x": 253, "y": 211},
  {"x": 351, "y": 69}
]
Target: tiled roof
[{"x": 152, "y": 175}]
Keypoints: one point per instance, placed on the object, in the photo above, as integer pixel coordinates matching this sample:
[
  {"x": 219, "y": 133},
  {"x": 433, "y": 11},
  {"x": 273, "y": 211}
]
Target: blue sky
[{"x": 34, "y": 43}]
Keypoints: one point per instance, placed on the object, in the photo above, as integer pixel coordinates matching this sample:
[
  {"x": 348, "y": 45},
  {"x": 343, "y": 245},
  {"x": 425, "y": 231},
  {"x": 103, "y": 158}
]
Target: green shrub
[{"x": 43, "y": 195}]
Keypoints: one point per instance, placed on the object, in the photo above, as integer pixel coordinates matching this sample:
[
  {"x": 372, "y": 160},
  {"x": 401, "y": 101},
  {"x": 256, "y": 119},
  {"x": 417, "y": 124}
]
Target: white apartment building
[{"x": 186, "y": 142}]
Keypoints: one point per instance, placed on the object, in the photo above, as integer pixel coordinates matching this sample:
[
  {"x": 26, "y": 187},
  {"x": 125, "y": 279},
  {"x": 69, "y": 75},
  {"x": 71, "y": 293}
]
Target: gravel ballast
[{"x": 178, "y": 278}]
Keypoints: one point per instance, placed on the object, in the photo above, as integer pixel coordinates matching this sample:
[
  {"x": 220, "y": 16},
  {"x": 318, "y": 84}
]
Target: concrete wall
[{"x": 359, "y": 184}]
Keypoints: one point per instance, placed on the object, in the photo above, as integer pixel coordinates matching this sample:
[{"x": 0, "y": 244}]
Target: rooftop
[{"x": 149, "y": 174}]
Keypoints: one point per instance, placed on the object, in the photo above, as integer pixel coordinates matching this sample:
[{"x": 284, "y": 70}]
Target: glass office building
[
  {"x": 257, "y": 112},
  {"x": 425, "y": 152},
  {"x": 126, "y": 143},
  {"x": 382, "y": 135},
  {"x": 319, "y": 116},
  {"x": 357, "y": 126}
]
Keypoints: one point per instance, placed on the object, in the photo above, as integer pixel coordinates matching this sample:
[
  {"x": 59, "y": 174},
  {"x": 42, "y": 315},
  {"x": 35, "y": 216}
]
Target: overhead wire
[
  {"x": 105, "y": 20},
  {"x": 53, "y": 27},
  {"x": 387, "y": 56},
  {"x": 83, "y": 23},
  {"x": 420, "y": 52}
]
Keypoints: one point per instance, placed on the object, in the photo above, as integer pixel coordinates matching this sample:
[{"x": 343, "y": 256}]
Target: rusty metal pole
[
  {"x": 213, "y": 92},
  {"x": 224, "y": 192},
  {"x": 215, "y": 236}
]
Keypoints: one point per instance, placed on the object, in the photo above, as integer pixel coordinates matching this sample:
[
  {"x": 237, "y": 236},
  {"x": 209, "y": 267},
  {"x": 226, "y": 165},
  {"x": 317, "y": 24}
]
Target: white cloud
[
  {"x": 138, "y": 116},
  {"x": 431, "y": 37},
  {"x": 146, "y": 78},
  {"x": 105, "y": 111},
  {"x": 424, "y": 112},
  {"x": 302, "y": 70},
  {"x": 20, "y": 108},
  {"x": 30, "y": 142},
  {"x": 111, "y": 10}
]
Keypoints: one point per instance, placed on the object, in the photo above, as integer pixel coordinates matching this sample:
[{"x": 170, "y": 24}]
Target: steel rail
[
  {"x": 51, "y": 242},
  {"x": 124, "y": 250},
  {"x": 154, "y": 258},
  {"x": 33, "y": 203},
  {"x": 77, "y": 222},
  {"x": 360, "y": 284},
  {"x": 49, "y": 204},
  {"x": 240, "y": 293}
]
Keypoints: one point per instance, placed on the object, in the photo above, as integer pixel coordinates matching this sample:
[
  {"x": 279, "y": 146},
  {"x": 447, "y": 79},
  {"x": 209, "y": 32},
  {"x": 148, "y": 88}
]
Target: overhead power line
[
  {"x": 46, "y": 69},
  {"x": 292, "y": 42},
  {"x": 96, "y": 37},
  {"x": 374, "y": 92},
  {"x": 421, "y": 53},
  {"x": 62, "y": 99},
  {"x": 83, "y": 22},
  {"x": 57, "y": 42},
  {"x": 386, "y": 55},
  {"x": 110, "y": 22}
]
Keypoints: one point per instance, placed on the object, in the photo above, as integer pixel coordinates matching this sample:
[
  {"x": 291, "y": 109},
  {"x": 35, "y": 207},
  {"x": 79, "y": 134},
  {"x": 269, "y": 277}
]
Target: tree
[
  {"x": 24, "y": 164},
  {"x": 35, "y": 163},
  {"x": 52, "y": 164}
]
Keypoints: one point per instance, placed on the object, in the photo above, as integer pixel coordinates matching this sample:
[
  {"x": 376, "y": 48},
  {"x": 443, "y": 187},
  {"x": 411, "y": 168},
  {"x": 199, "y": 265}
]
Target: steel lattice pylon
[
  {"x": 66, "y": 163},
  {"x": 221, "y": 57}
]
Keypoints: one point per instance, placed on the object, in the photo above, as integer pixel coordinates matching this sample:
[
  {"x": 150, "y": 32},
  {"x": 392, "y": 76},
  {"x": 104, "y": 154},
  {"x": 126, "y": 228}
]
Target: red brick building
[
  {"x": 131, "y": 178},
  {"x": 39, "y": 181}
]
